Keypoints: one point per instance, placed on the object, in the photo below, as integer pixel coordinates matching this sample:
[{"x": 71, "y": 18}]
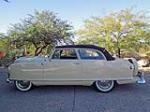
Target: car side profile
[{"x": 75, "y": 65}]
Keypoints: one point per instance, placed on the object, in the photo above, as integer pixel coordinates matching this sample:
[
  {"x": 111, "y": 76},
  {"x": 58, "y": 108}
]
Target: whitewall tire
[
  {"x": 105, "y": 85},
  {"x": 23, "y": 85}
]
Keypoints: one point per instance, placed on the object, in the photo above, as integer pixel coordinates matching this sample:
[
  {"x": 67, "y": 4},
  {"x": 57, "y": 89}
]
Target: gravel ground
[{"x": 124, "y": 98}]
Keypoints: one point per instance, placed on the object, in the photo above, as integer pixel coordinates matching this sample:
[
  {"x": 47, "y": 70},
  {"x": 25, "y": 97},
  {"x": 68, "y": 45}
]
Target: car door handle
[{"x": 77, "y": 63}]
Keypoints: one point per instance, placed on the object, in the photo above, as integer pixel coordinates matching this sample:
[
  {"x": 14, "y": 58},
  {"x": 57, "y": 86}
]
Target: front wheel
[
  {"x": 23, "y": 85},
  {"x": 105, "y": 85}
]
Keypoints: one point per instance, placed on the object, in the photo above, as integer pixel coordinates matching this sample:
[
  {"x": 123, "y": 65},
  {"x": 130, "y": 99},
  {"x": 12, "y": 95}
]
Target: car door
[
  {"x": 92, "y": 63},
  {"x": 96, "y": 67},
  {"x": 63, "y": 65}
]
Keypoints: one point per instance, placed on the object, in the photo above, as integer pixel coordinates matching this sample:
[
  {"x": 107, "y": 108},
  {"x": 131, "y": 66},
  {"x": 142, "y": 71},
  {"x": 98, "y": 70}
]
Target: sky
[{"x": 74, "y": 11}]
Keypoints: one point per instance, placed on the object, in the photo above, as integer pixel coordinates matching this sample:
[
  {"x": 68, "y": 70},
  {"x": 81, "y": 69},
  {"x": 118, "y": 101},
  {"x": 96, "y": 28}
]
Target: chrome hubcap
[
  {"x": 23, "y": 84},
  {"x": 105, "y": 84}
]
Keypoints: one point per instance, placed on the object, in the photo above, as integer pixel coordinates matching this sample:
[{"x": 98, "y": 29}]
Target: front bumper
[
  {"x": 8, "y": 80},
  {"x": 141, "y": 79}
]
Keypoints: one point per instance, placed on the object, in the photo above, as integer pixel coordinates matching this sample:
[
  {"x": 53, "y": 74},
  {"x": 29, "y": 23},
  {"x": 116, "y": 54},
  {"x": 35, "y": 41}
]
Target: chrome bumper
[
  {"x": 141, "y": 79},
  {"x": 8, "y": 79}
]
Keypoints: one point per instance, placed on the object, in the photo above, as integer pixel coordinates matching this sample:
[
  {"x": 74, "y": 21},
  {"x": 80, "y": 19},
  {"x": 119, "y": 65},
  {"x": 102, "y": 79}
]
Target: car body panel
[
  {"x": 47, "y": 71},
  {"x": 27, "y": 69},
  {"x": 62, "y": 70},
  {"x": 107, "y": 70}
]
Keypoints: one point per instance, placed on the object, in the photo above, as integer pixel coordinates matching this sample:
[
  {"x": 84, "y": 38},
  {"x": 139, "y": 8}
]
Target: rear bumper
[{"x": 141, "y": 79}]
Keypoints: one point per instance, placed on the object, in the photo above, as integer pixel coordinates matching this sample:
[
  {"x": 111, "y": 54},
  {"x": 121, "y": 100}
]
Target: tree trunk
[
  {"x": 119, "y": 53},
  {"x": 118, "y": 49},
  {"x": 25, "y": 51},
  {"x": 39, "y": 50}
]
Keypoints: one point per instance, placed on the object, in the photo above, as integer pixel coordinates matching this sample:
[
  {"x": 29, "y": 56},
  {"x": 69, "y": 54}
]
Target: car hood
[{"x": 29, "y": 59}]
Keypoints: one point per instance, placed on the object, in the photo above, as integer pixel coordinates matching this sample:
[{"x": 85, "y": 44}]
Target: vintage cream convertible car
[{"x": 75, "y": 65}]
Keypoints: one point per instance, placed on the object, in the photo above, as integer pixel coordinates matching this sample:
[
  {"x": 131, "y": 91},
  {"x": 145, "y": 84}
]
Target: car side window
[
  {"x": 90, "y": 54},
  {"x": 56, "y": 54},
  {"x": 64, "y": 54},
  {"x": 68, "y": 54}
]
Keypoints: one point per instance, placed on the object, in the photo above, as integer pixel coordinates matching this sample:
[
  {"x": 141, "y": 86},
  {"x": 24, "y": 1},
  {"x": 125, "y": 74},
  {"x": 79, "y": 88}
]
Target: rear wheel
[
  {"x": 23, "y": 85},
  {"x": 105, "y": 85}
]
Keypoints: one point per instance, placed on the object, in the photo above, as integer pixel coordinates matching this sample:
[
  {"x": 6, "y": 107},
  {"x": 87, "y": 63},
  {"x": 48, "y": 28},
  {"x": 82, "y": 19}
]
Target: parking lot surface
[{"x": 124, "y": 98}]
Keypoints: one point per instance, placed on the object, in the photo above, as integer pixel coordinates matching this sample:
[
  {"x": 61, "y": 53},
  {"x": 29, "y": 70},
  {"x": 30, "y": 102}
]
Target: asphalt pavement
[{"x": 124, "y": 98}]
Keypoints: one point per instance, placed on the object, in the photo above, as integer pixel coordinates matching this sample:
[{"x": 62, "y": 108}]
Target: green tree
[
  {"x": 41, "y": 30},
  {"x": 116, "y": 31},
  {"x": 4, "y": 43}
]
